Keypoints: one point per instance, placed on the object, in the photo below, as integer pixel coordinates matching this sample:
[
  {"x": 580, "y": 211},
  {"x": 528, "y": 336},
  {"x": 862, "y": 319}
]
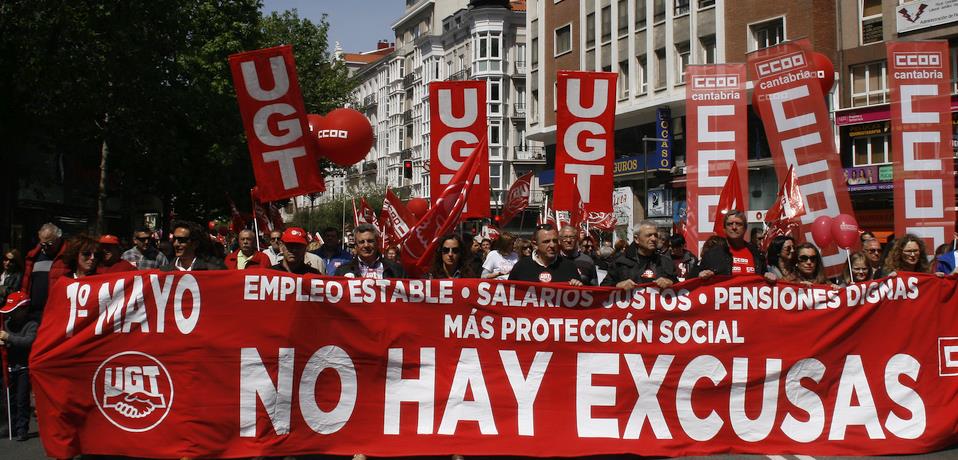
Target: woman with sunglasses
[
  {"x": 450, "y": 260},
  {"x": 82, "y": 256},
  {"x": 523, "y": 247},
  {"x": 11, "y": 274},
  {"x": 908, "y": 254},
  {"x": 808, "y": 266},
  {"x": 781, "y": 256}
]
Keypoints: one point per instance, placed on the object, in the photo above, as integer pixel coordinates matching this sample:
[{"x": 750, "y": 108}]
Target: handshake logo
[{"x": 133, "y": 391}]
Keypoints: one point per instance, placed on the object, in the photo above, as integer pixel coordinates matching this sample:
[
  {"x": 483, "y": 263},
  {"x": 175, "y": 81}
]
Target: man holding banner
[
  {"x": 546, "y": 265},
  {"x": 369, "y": 262},
  {"x": 733, "y": 256},
  {"x": 641, "y": 263}
]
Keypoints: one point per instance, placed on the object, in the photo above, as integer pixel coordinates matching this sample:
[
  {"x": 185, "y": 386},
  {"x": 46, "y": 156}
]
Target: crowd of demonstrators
[
  {"x": 569, "y": 249},
  {"x": 275, "y": 249},
  {"x": 780, "y": 257},
  {"x": 192, "y": 249},
  {"x": 808, "y": 265},
  {"x": 499, "y": 262},
  {"x": 332, "y": 251}
]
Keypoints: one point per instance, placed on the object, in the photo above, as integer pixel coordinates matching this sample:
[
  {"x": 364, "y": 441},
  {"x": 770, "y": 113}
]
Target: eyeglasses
[
  {"x": 445, "y": 250},
  {"x": 181, "y": 239},
  {"x": 808, "y": 258},
  {"x": 48, "y": 244},
  {"x": 911, "y": 251}
]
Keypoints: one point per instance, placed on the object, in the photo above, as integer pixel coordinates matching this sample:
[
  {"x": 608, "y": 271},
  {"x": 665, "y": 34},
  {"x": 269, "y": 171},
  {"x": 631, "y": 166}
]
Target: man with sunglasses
[
  {"x": 734, "y": 256},
  {"x": 144, "y": 254},
  {"x": 546, "y": 264},
  {"x": 873, "y": 254},
  {"x": 192, "y": 249},
  {"x": 44, "y": 265},
  {"x": 275, "y": 249},
  {"x": 369, "y": 262}
]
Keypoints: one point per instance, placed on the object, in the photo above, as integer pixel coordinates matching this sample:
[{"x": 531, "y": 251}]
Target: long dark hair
[
  {"x": 78, "y": 244},
  {"x": 819, "y": 276},
  {"x": 775, "y": 248},
  {"x": 894, "y": 261},
  {"x": 437, "y": 271}
]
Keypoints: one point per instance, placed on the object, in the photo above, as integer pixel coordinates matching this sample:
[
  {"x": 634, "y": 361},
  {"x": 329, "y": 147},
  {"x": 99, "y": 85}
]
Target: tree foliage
[{"x": 152, "y": 80}]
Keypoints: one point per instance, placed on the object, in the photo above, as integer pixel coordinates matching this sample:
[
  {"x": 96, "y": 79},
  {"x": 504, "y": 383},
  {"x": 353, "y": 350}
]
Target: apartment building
[
  {"x": 862, "y": 120},
  {"x": 650, "y": 43},
  {"x": 444, "y": 40}
]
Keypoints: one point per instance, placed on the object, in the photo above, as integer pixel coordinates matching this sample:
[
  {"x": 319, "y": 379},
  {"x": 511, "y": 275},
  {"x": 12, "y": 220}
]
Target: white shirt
[{"x": 496, "y": 262}]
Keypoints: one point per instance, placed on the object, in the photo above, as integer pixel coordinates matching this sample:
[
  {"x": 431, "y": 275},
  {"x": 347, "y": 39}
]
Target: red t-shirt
[{"x": 742, "y": 262}]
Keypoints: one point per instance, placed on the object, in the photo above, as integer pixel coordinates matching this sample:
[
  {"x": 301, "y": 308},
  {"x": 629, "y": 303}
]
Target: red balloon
[
  {"x": 211, "y": 225},
  {"x": 418, "y": 207},
  {"x": 845, "y": 231},
  {"x": 822, "y": 231},
  {"x": 314, "y": 121},
  {"x": 344, "y": 136},
  {"x": 824, "y": 66}
]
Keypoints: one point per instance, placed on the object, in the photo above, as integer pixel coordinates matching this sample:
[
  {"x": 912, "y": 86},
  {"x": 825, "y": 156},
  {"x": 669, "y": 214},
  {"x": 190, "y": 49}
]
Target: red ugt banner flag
[
  {"x": 271, "y": 104},
  {"x": 517, "y": 200},
  {"x": 921, "y": 140},
  {"x": 457, "y": 121},
  {"x": 585, "y": 139},
  {"x": 792, "y": 108},
  {"x": 717, "y": 122},
  {"x": 165, "y": 365}
]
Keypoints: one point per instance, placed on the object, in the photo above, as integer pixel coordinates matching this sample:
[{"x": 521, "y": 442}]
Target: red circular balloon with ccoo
[
  {"x": 824, "y": 65},
  {"x": 343, "y": 135},
  {"x": 845, "y": 231},
  {"x": 418, "y": 207}
]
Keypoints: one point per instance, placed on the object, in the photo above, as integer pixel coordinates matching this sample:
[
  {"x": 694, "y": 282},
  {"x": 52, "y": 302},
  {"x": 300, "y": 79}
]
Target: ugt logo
[{"x": 133, "y": 391}]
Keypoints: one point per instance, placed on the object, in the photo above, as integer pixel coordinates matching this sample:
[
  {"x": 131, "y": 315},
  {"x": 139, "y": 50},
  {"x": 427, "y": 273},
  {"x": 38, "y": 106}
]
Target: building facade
[
  {"x": 650, "y": 43},
  {"x": 434, "y": 41},
  {"x": 863, "y": 117}
]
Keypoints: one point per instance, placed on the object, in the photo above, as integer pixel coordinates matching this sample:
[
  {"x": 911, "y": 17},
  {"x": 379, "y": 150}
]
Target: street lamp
[{"x": 645, "y": 171}]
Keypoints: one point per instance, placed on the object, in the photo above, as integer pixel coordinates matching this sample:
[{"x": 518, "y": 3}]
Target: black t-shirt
[
  {"x": 40, "y": 281},
  {"x": 561, "y": 270}
]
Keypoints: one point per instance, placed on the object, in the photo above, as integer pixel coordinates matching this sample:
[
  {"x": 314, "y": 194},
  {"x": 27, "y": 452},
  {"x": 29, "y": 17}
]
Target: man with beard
[{"x": 369, "y": 263}]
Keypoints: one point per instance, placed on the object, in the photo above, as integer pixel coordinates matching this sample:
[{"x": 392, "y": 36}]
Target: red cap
[
  {"x": 109, "y": 239},
  {"x": 14, "y": 300},
  {"x": 294, "y": 235}
]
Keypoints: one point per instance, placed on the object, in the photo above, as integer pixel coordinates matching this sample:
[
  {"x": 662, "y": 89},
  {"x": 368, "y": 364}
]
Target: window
[
  {"x": 623, "y": 18},
  {"x": 707, "y": 45},
  {"x": 706, "y": 4},
  {"x": 563, "y": 39},
  {"x": 681, "y": 7},
  {"x": 869, "y": 84},
  {"x": 642, "y": 75},
  {"x": 623, "y": 80},
  {"x": 871, "y": 24},
  {"x": 590, "y": 31},
  {"x": 487, "y": 52},
  {"x": 766, "y": 34},
  {"x": 870, "y": 150},
  {"x": 660, "y": 70},
  {"x": 495, "y": 176},
  {"x": 681, "y": 62},
  {"x": 658, "y": 11},
  {"x": 495, "y": 97},
  {"x": 606, "y": 23},
  {"x": 534, "y": 59},
  {"x": 495, "y": 133},
  {"x": 640, "y": 15}
]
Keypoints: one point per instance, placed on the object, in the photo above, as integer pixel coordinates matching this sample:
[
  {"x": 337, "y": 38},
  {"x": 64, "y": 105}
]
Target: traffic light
[
  {"x": 497, "y": 219},
  {"x": 407, "y": 169}
]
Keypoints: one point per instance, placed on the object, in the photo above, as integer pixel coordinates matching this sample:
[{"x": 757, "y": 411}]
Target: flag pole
[
  {"x": 252, "y": 205},
  {"x": 5, "y": 362}
]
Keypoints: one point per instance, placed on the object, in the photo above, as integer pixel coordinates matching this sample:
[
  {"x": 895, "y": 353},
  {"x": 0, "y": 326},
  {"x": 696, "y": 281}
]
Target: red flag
[
  {"x": 365, "y": 213},
  {"x": 274, "y": 118},
  {"x": 420, "y": 243},
  {"x": 386, "y": 229},
  {"x": 731, "y": 198},
  {"x": 517, "y": 200},
  {"x": 577, "y": 215},
  {"x": 585, "y": 131},
  {"x": 783, "y": 218},
  {"x": 604, "y": 221},
  {"x": 921, "y": 140},
  {"x": 266, "y": 214},
  {"x": 399, "y": 216}
]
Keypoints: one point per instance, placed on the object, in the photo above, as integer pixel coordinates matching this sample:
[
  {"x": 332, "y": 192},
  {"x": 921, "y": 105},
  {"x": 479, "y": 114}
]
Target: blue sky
[{"x": 356, "y": 24}]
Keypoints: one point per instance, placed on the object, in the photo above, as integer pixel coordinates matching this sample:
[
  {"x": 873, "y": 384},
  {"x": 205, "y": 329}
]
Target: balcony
[
  {"x": 463, "y": 74},
  {"x": 369, "y": 101},
  {"x": 407, "y": 117},
  {"x": 536, "y": 155},
  {"x": 519, "y": 110},
  {"x": 519, "y": 69},
  {"x": 409, "y": 79}
]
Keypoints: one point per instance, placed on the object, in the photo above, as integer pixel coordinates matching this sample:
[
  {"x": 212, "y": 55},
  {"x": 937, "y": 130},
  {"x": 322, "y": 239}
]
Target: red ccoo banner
[
  {"x": 918, "y": 74},
  {"x": 717, "y": 121},
  {"x": 457, "y": 113},
  {"x": 792, "y": 107},
  {"x": 274, "y": 117},
  {"x": 585, "y": 140},
  {"x": 264, "y": 363}
]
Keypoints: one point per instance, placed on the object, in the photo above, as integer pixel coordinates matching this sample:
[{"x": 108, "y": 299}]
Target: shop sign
[{"x": 923, "y": 14}]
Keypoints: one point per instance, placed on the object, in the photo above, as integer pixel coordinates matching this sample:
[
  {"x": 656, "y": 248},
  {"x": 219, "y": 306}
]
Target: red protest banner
[
  {"x": 151, "y": 364},
  {"x": 457, "y": 122},
  {"x": 398, "y": 215},
  {"x": 517, "y": 200},
  {"x": 783, "y": 218},
  {"x": 274, "y": 117},
  {"x": 793, "y": 111},
  {"x": 717, "y": 139},
  {"x": 918, "y": 77},
  {"x": 585, "y": 130}
]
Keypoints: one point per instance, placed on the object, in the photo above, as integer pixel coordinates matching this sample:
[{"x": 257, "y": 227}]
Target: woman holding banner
[{"x": 82, "y": 256}]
